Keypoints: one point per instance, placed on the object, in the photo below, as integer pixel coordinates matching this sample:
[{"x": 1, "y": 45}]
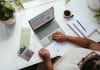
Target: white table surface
[{"x": 9, "y": 45}]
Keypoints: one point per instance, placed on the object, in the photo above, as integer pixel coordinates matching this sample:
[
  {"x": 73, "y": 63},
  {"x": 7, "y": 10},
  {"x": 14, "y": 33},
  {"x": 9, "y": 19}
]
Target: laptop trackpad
[{"x": 46, "y": 40}]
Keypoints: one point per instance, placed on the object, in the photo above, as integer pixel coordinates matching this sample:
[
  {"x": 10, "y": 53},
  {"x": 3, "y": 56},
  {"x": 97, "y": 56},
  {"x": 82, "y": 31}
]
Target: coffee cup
[{"x": 67, "y": 14}]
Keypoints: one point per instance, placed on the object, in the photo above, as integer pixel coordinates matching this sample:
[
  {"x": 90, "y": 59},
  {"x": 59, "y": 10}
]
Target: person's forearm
[
  {"x": 82, "y": 42},
  {"x": 49, "y": 65}
]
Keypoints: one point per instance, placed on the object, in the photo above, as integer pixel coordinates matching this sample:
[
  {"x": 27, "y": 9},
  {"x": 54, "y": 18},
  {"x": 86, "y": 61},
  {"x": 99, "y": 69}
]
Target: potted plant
[
  {"x": 7, "y": 11},
  {"x": 95, "y": 6}
]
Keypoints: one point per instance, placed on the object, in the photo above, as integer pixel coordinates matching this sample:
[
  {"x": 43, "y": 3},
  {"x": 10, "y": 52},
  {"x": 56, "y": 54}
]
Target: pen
[
  {"x": 73, "y": 30},
  {"x": 81, "y": 25},
  {"x": 78, "y": 29}
]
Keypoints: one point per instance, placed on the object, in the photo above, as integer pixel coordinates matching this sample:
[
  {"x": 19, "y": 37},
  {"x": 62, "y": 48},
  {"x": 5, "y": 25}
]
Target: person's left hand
[{"x": 45, "y": 54}]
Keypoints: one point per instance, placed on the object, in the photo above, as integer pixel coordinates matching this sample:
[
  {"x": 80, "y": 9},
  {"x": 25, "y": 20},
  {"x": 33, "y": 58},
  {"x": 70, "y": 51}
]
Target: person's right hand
[{"x": 59, "y": 37}]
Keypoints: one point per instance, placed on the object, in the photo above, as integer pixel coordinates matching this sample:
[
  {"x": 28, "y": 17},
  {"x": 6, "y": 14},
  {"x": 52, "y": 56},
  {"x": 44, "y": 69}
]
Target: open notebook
[{"x": 83, "y": 27}]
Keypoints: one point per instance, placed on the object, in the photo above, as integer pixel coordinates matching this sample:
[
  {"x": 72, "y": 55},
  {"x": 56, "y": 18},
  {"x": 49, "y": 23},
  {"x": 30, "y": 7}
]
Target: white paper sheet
[{"x": 59, "y": 49}]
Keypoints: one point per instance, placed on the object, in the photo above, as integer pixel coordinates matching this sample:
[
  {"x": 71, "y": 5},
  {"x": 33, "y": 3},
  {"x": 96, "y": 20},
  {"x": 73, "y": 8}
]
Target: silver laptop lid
[{"x": 42, "y": 18}]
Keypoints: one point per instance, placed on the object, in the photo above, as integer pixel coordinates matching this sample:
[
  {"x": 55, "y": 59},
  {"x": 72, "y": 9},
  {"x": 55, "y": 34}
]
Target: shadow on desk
[
  {"x": 6, "y": 31},
  {"x": 41, "y": 66}
]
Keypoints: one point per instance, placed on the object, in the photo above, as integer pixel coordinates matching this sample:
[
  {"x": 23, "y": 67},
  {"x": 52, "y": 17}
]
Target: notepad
[
  {"x": 82, "y": 27},
  {"x": 25, "y": 53}
]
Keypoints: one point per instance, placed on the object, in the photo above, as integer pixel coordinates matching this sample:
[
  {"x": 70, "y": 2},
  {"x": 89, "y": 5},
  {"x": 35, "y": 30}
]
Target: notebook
[{"x": 82, "y": 27}]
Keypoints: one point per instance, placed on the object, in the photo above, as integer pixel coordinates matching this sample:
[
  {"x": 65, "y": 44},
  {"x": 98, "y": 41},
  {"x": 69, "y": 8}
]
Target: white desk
[{"x": 9, "y": 60}]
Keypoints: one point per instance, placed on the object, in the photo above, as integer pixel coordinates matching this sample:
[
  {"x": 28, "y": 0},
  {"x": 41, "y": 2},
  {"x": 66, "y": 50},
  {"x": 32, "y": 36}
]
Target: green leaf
[
  {"x": 97, "y": 16},
  {"x": 19, "y": 4},
  {"x": 9, "y": 6},
  {"x": 67, "y": 1}
]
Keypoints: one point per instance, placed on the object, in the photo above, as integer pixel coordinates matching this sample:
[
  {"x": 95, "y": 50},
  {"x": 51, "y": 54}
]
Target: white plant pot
[
  {"x": 94, "y": 4},
  {"x": 10, "y": 21},
  {"x": 6, "y": 28}
]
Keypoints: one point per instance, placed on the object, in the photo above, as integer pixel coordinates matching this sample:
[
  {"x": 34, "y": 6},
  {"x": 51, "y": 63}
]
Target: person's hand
[
  {"x": 59, "y": 37},
  {"x": 45, "y": 54}
]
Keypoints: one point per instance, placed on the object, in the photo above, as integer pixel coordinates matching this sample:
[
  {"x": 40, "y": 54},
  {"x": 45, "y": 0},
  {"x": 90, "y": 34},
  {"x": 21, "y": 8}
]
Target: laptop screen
[{"x": 42, "y": 18}]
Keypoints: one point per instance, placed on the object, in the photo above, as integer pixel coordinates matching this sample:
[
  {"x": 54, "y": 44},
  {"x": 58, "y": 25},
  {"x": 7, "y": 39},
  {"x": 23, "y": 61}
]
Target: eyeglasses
[{"x": 88, "y": 57}]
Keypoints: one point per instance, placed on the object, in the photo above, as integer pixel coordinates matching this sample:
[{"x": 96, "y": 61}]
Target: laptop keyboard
[{"x": 48, "y": 39}]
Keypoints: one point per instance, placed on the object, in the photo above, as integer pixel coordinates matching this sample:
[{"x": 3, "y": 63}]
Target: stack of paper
[{"x": 83, "y": 27}]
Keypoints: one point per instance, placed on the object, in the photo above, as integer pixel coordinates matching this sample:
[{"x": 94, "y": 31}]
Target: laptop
[{"x": 44, "y": 25}]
